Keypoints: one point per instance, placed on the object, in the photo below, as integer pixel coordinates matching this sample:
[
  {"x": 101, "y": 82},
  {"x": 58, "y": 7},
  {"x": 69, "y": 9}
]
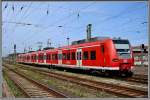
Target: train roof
[
  {"x": 76, "y": 44},
  {"x": 94, "y": 39},
  {"x": 85, "y": 44}
]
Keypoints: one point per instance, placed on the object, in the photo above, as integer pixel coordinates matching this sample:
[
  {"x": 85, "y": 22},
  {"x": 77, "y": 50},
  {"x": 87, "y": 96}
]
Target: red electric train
[{"x": 100, "y": 54}]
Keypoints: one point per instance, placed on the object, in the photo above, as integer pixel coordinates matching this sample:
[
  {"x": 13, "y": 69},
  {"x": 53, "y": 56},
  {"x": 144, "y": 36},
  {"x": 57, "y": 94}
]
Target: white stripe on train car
[{"x": 83, "y": 67}]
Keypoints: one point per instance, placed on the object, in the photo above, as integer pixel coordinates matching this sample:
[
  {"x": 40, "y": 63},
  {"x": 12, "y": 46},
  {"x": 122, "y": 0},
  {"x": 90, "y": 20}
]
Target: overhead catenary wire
[
  {"x": 97, "y": 21},
  {"x": 21, "y": 23},
  {"x": 122, "y": 13},
  {"x": 47, "y": 12},
  {"x": 43, "y": 18},
  {"x": 16, "y": 17},
  {"x": 12, "y": 9},
  {"x": 8, "y": 13},
  {"x": 13, "y": 30},
  {"x": 125, "y": 11},
  {"x": 6, "y": 6},
  {"x": 23, "y": 16},
  {"x": 61, "y": 20}
]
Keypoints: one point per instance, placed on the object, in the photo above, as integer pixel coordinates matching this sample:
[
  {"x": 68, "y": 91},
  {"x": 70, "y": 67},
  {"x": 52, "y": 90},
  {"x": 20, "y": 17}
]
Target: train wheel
[
  {"x": 130, "y": 74},
  {"x": 123, "y": 74},
  {"x": 107, "y": 74},
  {"x": 126, "y": 74},
  {"x": 50, "y": 66}
]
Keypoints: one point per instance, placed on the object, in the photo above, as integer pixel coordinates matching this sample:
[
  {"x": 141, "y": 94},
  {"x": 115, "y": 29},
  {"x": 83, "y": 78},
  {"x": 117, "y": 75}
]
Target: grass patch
[{"x": 72, "y": 88}]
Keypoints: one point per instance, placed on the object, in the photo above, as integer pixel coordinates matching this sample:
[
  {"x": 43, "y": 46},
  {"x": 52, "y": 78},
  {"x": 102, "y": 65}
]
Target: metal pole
[
  {"x": 48, "y": 43},
  {"x": 14, "y": 53},
  {"x": 89, "y": 26},
  {"x": 68, "y": 40},
  {"x": 142, "y": 54},
  {"x": 142, "y": 62}
]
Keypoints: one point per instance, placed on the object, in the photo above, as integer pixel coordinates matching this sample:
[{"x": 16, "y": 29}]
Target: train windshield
[{"x": 122, "y": 48}]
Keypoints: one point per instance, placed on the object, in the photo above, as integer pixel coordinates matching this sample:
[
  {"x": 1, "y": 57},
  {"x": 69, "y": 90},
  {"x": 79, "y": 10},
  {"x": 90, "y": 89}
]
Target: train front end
[{"x": 125, "y": 57}]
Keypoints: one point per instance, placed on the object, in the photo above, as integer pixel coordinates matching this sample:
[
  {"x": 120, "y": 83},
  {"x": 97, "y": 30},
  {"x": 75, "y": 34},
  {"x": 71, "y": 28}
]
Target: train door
[
  {"x": 36, "y": 57},
  {"x": 59, "y": 57},
  {"x": 44, "y": 57},
  {"x": 79, "y": 57},
  {"x": 103, "y": 55}
]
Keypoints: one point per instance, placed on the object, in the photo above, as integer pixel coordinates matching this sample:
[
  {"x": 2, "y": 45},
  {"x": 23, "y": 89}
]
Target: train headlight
[
  {"x": 125, "y": 61},
  {"x": 115, "y": 60}
]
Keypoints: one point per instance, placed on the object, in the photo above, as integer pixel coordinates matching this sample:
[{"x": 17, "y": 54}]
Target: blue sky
[{"x": 128, "y": 20}]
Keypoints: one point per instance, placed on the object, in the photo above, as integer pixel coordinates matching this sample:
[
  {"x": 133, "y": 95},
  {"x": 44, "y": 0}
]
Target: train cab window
[
  {"x": 73, "y": 56},
  {"x": 93, "y": 55},
  {"x": 85, "y": 55},
  {"x": 68, "y": 56}
]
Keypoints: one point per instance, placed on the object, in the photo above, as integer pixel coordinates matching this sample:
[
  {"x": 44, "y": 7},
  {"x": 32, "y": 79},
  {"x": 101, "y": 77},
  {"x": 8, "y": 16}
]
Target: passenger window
[
  {"x": 35, "y": 57},
  {"x": 93, "y": 55},
  {"x": 41, "y": 57},
  {"x": 73, "y": 56},
  {"x": 49, "y": 56},
  {"x": 64, "y": 56},
  {"x": 53, "y": 56},
  {"x": 68, "y": 56},
  {"x": 77, "y": 55},
  {"x": 44, "y": 57},
  {"x": 85, "y": 55},
  {"x": 56, "y": 57}
]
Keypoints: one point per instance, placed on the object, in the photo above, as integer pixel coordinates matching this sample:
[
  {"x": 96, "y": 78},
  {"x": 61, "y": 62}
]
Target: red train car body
[{"x": 101, "y": 55}]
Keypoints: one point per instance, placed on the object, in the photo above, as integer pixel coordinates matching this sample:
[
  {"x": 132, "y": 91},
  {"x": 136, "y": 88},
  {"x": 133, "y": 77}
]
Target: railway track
[
  {"x": 32, "y": 88},
  {"x": 111, "y": 88},
  {"x": 138, "y": 78},
  {"x": 143, "y": 79}
]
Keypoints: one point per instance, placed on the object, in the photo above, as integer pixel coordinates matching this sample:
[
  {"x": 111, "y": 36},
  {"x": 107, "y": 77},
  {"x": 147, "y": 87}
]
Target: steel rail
[
  {"x": 111, "y": 88},
  {"x": 52, "y": 92}
]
